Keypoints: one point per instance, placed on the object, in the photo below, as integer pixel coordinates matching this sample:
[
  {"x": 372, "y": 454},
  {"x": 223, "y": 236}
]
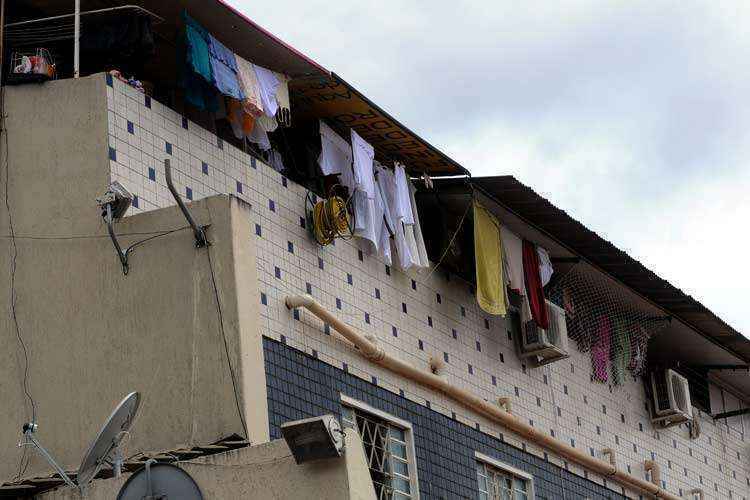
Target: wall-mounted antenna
[
  {"x": 104, "y": 450},
  {"x": 114, "y": 203},
  {"x": 199, "y": 231}
]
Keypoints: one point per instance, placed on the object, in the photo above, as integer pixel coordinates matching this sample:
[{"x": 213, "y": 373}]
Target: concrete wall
[
  {"x": 266, "y": 471},
  {"x": 91, "y": 334}
]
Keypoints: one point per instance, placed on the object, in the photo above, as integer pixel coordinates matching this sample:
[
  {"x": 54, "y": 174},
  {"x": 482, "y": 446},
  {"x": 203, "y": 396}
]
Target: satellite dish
[
  {"x": 104, "y": 449},
  {"x": 162, "y": 481},
  {"x": 106, "y": 446}
]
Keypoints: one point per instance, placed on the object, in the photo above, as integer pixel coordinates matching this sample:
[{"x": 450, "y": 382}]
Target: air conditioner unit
[
  {"x": 671, "y": 394},
  {"x": 547, "y": 345}
]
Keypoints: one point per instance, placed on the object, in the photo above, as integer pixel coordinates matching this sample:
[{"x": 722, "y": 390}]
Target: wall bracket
[{"x": 199, "y": 231}]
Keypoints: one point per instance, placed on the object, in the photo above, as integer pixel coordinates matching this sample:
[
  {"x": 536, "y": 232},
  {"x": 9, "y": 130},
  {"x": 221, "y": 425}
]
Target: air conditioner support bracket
[{"x": 199, "y": 231}]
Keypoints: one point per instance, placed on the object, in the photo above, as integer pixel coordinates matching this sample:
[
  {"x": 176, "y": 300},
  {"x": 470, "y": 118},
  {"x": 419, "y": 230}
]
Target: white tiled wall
[{"x": 558, "y": 398}]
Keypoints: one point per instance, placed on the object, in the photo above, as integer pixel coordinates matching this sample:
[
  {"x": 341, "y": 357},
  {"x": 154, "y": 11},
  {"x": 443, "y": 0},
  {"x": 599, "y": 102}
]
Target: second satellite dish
[{"x": 163, "y": 481}]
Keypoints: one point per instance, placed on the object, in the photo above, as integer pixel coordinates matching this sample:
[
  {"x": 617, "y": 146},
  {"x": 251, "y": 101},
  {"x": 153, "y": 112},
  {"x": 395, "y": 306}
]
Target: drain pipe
[{"x": 377, "y": 355}]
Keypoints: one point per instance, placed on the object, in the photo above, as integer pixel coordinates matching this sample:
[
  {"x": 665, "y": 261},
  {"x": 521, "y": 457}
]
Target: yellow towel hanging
[{"x": 488, "y": 254}]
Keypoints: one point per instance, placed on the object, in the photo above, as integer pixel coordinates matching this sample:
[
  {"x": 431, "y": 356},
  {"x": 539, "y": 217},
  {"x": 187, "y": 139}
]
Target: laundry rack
[{"x": 34, "y": 34}]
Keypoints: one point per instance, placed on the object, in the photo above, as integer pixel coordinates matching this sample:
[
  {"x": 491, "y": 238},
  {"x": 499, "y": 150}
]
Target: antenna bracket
[{"x": 199, "y": 231}]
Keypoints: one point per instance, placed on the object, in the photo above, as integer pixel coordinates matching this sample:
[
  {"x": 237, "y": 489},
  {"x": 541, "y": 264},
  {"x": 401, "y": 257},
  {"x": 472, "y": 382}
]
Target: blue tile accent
[
  {"x": 277, "y": 272},
  {"x": 112, "y": 154},
  {"x": 445, "y": 357},
  {"x": 168, "y": 148},
  {"x": 258, "y": 230},
  {"x": 413, "y": 285},
  {"x": 219, "y": 143},
  {"x": 360, "y": 256},
  {"x": 403, "y": 307},
  {"x": 263, "y": 299},
  {"x": 308, "y": 288},
  {"x": 320, "y": 263},
  {"x": 302, "y": 223},
  {"x": 239, "y": 187},
  {"x": 204, "y": 168},
  {"x": 300, "y": 386},
  {"x": 439, "y": 298},
  {"x": 338, "y": 303},
  {"x": 284, "y": 181},
  {"x": 367, "y": 318},
  {"x": 188, "y": 193},
  {"x": 135, "y": 201},
  {"x": 454, "y": 333},
  {"x": 394, "y": 331},
  {"x": 479, "y": 346},
  {"x": 502, "y": 358},
  {"x": 131, "y": 127},
  {"x": 429, "y": 321},
  {"x": 184, "y": 123},
  {"x": 253, "y": 162},
  {"x": 272, "y": 205},
  {"x": 290, "y": 247},
  {"x": 421, "y": 345},
  {"x": 147, "y": 101},
  {"x": 349, "y": 279},
  {"x": 296, "y": 314},
  {"x": 108, "y": 77},
  {"x": 494, "y": 380},
  {"x": 377, "y": 293},
  {"x": 151, "y": 174}
]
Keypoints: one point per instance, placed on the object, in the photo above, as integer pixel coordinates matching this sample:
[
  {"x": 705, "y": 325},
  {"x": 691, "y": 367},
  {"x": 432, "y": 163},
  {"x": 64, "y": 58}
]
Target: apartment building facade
[{"x": 420, "y": 441}]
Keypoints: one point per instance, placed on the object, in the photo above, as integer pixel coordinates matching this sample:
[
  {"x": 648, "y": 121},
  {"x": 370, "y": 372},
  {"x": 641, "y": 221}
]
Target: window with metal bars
[
  {"x": 501, "y": 484},
  {"x": 387, "y": 450}
]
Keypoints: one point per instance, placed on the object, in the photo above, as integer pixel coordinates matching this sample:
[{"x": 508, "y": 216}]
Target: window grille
[
  {"x": 386, "y": 450},
  {"x": 496, "y": 484}
]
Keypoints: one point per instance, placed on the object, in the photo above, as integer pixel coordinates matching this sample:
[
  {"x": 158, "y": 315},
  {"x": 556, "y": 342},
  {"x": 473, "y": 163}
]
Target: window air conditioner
[
  {"x": 550, "y": 344},
  {"x": 671, "y": 394}
]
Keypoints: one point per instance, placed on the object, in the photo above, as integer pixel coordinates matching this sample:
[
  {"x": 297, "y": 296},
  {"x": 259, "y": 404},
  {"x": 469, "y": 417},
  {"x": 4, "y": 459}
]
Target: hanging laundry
[
  {"x": 383, "y": 179},
  {"x": 600, "y": 350},
  {"x": 514, "y": 254},
  {"x": 283, "y": 113},
  {"x": 621, "y": 352},
  {"x": 250, "y": 87},
  {"x": 335, "y": 153},
  {"x": 276, "y": 161},
  {"x": 269, "y": 85},
  {"x": 424, "y": 261},
  {"x": 260, "y": 137},
  {"x": 196, "y": 75},
  {"x": 545, "y": 265},
  {"x": 242, "y": 123},
  {"x": 488, "y": 256},
  {"x": 534, "y": 290},
  {"x": 267, "y": 123},
  {"x": 224, "y": 69},
  {"x": 402, "y": 198},
  {"x": 387, "y": 182},
  {"x": 363, "y": 155},
  {"x": 361, "y": 182}
]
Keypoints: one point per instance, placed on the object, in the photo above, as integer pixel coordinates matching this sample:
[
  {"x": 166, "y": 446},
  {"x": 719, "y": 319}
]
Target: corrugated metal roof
[{"x": 539, "y": 212}]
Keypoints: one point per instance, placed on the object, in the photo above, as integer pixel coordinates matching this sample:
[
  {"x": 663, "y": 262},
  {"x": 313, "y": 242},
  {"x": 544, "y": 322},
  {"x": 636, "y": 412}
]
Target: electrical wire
[
  {"x": 226, "y": 344},
  {"x": 13, "y": 268}
]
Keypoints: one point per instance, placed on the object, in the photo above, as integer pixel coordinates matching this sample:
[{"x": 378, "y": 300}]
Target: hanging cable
[{"x": 330, "y": 219}]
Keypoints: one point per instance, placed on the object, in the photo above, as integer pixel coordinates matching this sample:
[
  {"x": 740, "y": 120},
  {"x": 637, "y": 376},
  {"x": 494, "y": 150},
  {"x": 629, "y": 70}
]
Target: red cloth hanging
[{"x": 534, "y": 290}]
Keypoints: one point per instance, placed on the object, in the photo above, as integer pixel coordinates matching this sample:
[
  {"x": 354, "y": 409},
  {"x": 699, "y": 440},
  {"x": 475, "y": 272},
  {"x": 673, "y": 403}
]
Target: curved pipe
[{"x": 377, "y": 355}]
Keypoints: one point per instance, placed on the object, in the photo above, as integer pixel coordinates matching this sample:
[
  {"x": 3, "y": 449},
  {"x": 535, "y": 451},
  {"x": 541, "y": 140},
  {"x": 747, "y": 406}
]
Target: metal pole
[{"x": 77, "y": 40}]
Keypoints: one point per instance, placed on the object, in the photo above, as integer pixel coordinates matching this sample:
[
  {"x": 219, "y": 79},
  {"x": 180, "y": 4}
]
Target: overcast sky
[{"x": 631, "y": 116}]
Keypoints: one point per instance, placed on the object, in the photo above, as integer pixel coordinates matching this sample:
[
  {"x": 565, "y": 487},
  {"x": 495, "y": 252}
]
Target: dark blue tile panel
[{"x": 301, "y": 386}]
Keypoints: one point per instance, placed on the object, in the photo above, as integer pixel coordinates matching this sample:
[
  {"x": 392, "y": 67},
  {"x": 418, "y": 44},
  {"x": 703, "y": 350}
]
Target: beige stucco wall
[
  {"x": 92, "y": 334},
  {"x": 266, "y": 471}
]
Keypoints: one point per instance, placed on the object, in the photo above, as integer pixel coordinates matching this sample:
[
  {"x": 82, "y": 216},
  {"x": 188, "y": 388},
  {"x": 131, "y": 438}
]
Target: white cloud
[{"x": 631, "y": 116}]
